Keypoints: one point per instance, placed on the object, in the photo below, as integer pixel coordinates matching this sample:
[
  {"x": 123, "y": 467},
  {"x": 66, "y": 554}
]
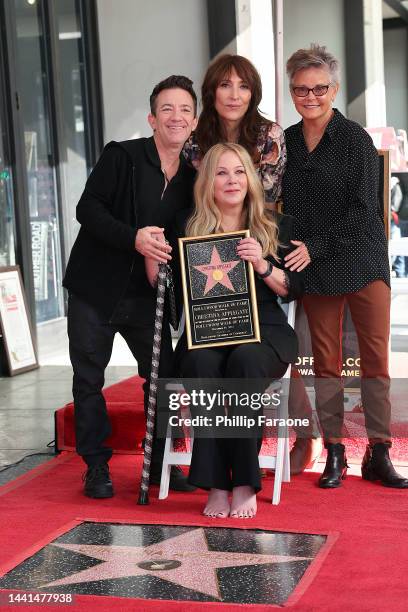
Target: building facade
[{"x": 75, "y": 74}]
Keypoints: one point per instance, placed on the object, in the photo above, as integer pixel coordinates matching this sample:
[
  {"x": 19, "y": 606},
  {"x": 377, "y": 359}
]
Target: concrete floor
[{"x": 28, "y": 401}]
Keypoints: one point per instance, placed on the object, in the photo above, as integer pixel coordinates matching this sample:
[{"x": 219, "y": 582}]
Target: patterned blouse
[{"x": 272, "y": 158}]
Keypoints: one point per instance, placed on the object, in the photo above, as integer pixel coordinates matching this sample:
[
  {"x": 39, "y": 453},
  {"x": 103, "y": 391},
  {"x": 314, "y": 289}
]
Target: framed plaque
[
  {"x": 219, "y": 291},
  {"x": 15, "y": 324}
]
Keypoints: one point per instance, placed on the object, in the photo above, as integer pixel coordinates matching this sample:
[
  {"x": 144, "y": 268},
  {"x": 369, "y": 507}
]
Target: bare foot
[
  {"x": 243, "y": 503},
  {"x": 217, "y": 504}
]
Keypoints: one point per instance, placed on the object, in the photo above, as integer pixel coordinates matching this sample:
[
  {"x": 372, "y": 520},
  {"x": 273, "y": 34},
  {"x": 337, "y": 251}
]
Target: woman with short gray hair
[
  {"x": 315, "y": 57},
  {"x": 331, "y": 188}
]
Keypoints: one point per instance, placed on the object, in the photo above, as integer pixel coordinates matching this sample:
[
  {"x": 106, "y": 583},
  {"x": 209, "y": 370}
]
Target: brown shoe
[{"x": 304, "y": 454}]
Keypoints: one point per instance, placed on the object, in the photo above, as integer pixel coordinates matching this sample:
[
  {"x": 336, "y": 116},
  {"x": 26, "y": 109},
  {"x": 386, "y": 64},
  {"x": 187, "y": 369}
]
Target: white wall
[
  {"x": 255, "y": 41},
  {"x": 141, "y": 43},
  {"x": 396, "y": 77},
  {"x": 308, "y": 21}
]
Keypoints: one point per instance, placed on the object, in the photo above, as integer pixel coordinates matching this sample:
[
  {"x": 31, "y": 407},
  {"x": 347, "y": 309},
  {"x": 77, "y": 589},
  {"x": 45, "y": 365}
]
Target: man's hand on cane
[{"x": 150, "y": 243}]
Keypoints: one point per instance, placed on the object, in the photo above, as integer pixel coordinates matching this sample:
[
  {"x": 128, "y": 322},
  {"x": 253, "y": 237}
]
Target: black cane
[{"x": 154, "y": 374}]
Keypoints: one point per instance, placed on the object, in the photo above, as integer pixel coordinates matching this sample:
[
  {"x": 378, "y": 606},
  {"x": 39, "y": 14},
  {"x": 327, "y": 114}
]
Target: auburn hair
[{"x": 210, "y": 129}]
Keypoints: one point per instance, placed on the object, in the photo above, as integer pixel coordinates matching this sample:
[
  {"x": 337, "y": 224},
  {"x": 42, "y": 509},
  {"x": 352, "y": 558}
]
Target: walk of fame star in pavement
[{"x": 169, "y": 562}]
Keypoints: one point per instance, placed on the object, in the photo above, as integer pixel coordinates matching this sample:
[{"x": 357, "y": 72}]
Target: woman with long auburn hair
[
  {"x": 231, "y": 93},
  {"x": 228, "y": 198}
]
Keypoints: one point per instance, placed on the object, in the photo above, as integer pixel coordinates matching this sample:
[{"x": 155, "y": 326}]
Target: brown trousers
[{"x": 370, "y": 312}]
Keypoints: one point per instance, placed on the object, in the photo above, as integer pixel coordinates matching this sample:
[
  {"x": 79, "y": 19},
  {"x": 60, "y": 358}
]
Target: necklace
[{"x": 169, "y": 170}]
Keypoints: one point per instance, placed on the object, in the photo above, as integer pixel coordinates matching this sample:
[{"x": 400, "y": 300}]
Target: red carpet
[{"x": 364, "y": 570}]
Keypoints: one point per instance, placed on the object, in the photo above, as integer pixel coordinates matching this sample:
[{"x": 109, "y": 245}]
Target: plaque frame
[
  {"x": 15, "y": 324},
  {"x": 249, "y": 294}
]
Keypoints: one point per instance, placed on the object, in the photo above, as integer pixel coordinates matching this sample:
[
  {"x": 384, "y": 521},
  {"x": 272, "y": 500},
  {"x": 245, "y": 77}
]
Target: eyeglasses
[{"x": 318, "y": 90}]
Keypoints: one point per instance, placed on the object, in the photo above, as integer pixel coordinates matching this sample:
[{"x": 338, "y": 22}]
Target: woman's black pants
[{"x": 225, "y": 463}]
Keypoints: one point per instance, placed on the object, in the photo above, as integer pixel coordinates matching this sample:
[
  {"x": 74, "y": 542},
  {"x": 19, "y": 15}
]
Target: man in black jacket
[{"x": 131, "y": 196}]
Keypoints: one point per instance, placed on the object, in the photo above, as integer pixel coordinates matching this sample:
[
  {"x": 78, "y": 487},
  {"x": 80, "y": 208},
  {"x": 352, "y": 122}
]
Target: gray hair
[{"x": 315, "y": 57}]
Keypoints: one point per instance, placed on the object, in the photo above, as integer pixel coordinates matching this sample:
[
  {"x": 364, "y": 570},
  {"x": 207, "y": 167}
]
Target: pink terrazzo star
[
  {"x": 217, "y": 271},
  {"x": 192, "y": 565}
]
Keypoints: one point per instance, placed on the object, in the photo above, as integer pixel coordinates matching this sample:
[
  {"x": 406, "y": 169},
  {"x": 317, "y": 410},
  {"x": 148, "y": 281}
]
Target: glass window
[
  {"x": 7, "y": 231},
  {"x": 33, "y": 78},
  {"x": 71, "y": 73},
  {"x": 7, "y": 219},
  {"x": 399, "y": 225}
]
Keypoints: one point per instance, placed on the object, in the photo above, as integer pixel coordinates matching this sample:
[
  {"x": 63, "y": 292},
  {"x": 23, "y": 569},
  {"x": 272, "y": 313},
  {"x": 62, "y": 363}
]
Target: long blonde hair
[{"x": 207, "y": 218}]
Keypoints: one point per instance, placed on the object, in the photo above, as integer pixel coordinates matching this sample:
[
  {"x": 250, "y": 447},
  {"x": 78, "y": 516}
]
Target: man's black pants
[{"x": 90, "y": 347}]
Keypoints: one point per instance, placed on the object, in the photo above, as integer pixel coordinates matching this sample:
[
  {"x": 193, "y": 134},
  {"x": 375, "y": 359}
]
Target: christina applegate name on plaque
[{"x": 219, "y": 291}]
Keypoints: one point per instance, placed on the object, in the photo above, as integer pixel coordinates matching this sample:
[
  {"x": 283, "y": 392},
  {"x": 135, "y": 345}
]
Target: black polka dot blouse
[{"x": 333, "y": 194}]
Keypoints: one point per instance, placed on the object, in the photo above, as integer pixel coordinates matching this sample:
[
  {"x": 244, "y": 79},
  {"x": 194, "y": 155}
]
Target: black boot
[
  {"x": 98, "y": 483},
  {"x": 336, "y": 466},
  {"x": 377, "y": 466},
  {"x": 178, "y": 480}
]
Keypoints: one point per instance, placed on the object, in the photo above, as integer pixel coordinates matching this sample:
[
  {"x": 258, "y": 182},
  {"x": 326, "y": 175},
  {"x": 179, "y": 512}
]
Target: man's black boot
[
  {"x": 336, "y": 466},
  {"x": 377, "y": 465},
  {"x": 178, "y": 480},
  {"x": 98, "y": 483}
]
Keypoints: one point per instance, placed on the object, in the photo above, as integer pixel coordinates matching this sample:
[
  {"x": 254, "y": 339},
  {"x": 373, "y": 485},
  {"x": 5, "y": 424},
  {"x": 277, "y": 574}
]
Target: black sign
[{"x": 219, "y": 291}]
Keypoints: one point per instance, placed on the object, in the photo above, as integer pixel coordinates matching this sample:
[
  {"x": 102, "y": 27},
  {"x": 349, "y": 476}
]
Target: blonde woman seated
[{"x": 229, "y": 197}]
